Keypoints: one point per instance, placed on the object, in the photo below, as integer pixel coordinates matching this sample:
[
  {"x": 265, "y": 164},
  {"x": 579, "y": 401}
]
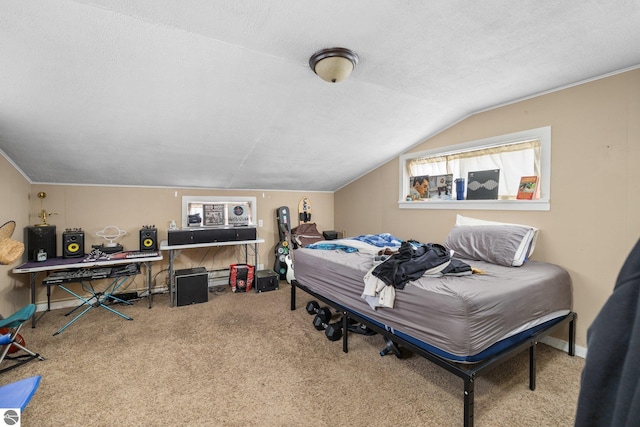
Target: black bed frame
[{"x": 466, "y": 372}]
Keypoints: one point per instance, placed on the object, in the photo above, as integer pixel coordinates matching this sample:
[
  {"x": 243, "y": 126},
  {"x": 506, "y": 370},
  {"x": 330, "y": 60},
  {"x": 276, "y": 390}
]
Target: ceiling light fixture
[{"x": 333, "y": 65}]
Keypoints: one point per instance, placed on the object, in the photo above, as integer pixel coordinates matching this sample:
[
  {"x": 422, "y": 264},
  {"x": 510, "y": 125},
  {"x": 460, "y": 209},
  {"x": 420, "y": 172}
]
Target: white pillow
[{"x": 526, "y": 245}]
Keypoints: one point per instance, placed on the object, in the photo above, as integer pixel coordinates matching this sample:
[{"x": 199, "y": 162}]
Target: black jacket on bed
[
  {"x": 610, "y": 390},
  {"x": 410, "y": 263}
]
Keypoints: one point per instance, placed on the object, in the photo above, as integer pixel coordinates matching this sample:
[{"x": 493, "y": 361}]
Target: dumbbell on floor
[
  {"x": 391, "y": 347},
  {"x": 333, "y": 331},
  {"x": 359, "y": 328},
  {"x": 314, "y": 308}
]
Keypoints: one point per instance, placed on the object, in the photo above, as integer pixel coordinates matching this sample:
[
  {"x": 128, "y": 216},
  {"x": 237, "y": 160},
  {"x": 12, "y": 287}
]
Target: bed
[{"x": 463, "y": 323}]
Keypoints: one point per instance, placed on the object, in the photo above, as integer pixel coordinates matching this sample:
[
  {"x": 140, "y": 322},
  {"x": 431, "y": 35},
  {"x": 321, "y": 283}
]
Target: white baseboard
[
  {"x": 563, "y": 345},
  {"x": 68, "y": 303}
]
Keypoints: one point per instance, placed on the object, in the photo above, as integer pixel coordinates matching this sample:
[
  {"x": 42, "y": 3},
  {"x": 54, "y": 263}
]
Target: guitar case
[{"x": 283, "y": 247}]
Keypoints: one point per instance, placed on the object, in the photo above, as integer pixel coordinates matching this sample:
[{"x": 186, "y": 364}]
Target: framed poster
[
  {"x": 238, "y": 214},
  {"x": 213, "y": 214},
  {"x": 418, "y": 187},
  {"x": 440, "y": 186}
]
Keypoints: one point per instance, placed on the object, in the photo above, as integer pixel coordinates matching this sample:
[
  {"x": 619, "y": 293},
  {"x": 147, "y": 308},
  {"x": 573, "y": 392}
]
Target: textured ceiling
[{"x": 219, "y": 94}]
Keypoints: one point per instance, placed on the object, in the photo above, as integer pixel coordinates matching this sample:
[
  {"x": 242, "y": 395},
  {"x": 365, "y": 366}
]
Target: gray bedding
[{"x": 459, "y": 315}]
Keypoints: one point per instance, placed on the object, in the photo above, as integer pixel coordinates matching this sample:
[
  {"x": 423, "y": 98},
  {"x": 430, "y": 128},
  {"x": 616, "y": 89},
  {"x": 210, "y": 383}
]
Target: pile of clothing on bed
[
  {"x": 412, "y": 261},
  {"x": 396, "y": 263}
]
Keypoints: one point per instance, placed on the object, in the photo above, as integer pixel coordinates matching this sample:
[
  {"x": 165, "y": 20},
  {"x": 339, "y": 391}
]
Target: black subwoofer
[
  {"x": 40, "y": 238},
  {"x": 192, "y": 286}
]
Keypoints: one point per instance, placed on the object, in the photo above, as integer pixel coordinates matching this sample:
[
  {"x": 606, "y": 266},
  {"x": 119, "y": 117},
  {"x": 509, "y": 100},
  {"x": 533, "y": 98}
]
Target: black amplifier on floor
[
  {"x": 266, "y": 280},
  {"x": 192, "y": 286}
]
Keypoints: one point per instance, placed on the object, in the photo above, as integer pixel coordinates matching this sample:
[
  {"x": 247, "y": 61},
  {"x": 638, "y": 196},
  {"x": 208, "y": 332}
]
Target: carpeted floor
[{"x": 246, "y": 359}]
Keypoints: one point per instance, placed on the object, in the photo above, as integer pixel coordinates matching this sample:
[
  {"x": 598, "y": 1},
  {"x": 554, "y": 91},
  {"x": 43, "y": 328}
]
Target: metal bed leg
[
  {"x": 572, "y": 336},
  {"x": 468, "y": 401},
  {"x": 345, "y": 331},
  {"x": 532, "y": 366},
  {"x": 293, "y": 296}
]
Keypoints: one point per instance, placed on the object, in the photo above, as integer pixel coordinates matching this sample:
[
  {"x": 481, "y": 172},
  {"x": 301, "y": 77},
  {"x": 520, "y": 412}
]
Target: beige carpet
[{"x": 246, "y": 359}]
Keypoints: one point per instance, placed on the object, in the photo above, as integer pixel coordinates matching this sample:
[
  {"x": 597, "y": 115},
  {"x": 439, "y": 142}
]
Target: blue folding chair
[
  {"x": 18, "y": 394},
  {"x": 13, "y": 323}
]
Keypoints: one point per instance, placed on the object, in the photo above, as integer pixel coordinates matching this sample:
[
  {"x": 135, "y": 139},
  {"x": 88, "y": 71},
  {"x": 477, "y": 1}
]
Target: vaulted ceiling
[{"x": 219, "y": 94}]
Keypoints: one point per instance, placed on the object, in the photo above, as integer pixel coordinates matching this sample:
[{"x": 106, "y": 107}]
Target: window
[
  {"x": 512, "y": 156},
  {"x": 214, "y": 211}
]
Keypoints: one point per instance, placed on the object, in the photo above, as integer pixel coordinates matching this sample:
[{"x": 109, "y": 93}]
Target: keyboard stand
[
  {"x": 34, "y": 268},
  {"x": 97, "y": 299}
]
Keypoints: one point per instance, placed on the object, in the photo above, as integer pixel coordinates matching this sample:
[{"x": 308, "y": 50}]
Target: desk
[
  {"x": 52, "y": 264},
  {"x": 175, "y": 250}
]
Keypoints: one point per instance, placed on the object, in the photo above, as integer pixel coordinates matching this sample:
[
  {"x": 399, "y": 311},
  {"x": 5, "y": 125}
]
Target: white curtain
[{"x": 514, "y": 160}]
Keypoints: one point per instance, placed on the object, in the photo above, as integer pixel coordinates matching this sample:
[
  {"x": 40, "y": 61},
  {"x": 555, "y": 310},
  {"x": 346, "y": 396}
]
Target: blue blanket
[
  {"x": 331, "y": 247},
  {"x": 384, "y": 240},
  {"x": 380, "y": 240}
]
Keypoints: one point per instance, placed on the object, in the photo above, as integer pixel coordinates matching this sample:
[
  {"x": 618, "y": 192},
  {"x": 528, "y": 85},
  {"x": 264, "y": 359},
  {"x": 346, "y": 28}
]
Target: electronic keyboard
[
  {"x": 80, "y": 275},
  {"x": 134, "y": 255}
]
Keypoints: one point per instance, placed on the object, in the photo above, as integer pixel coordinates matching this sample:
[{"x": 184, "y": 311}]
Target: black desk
[{"x": 53, "y": 264}]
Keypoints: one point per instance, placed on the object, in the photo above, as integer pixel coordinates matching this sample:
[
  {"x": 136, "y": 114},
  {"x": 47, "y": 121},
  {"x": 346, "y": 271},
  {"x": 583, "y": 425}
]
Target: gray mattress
[{"x": 459, "y": 315}]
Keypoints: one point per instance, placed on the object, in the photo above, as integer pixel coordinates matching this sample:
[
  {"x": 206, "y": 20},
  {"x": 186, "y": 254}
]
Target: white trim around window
[{"x": 543, "y": 134}]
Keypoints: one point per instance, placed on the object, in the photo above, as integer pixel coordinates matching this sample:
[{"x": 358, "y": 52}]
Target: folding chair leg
[{"x": 29, "y": 352}]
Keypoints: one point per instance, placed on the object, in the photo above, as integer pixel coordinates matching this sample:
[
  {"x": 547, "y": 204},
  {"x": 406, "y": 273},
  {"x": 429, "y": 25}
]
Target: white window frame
[
  {"x": 543, "y": 134},
  {"x": 187, "y": 200}
]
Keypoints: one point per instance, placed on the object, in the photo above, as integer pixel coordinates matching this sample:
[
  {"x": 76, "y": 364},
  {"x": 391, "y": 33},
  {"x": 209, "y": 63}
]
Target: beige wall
[
  {"x": 94, "y": 207},
  {"x": 595, "y": 204},
  {"x": 14, "y": 205}
]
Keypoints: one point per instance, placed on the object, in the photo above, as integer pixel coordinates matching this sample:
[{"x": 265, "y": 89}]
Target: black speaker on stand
[
  {"x": 41, "y": 242},
  {"x": 148, "y": 238},
  {"x": 73, "y": 243}
]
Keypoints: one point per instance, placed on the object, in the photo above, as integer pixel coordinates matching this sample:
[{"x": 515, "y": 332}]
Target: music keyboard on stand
[
  {"x": 79, "y": 275},
  {"x": 59, "y": 272},
  {"x": 133, "y": 255}
]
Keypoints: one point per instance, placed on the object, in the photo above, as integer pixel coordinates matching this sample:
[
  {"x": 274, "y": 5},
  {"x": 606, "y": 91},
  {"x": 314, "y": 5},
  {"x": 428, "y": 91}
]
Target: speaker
[
  {"x": 180, "y": 237},
  {"x": 192, "y": 286},
  {"x": 73, "y": 244},
  {"x": 246, "y": 233},
  {"x": 266, "y": 280},
  {"x": 148, "y": 239},
  {"x": 330, "y": 235},
  {"x": 41, "y": 238}
]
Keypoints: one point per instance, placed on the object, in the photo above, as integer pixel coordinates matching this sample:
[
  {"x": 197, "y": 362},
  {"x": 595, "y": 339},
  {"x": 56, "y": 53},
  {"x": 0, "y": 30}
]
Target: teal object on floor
[{"x": 13, "y": 323}]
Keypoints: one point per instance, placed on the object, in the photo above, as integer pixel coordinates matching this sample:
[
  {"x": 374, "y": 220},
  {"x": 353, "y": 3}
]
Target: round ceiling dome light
[{"x": 333, "y": 65}]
